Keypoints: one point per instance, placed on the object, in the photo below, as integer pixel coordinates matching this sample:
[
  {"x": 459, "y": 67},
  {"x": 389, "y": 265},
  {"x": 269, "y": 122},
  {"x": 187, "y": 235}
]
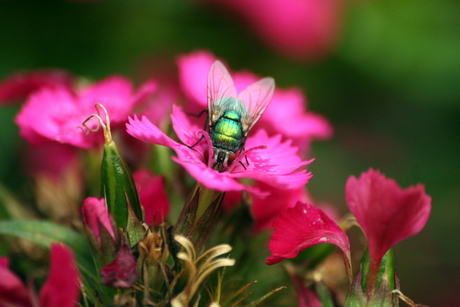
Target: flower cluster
[{"x": 224, "y": 158}]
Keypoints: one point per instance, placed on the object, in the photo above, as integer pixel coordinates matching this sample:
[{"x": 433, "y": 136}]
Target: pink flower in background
[
  {"x": 301, "y": 227},
  {"x": 299, "y": 29},
  {"x": 266, "y": 210},
  {"x": 193, "y": 78},
  {"x": 285, "y": 115},
  {"x": 158, "y": 109},
  {"x": 55, "y": 113},
  {"x": 152, "y": 195},
  {"x": 61, "y": 288},
  {"x": 12, "y": 291},
  {"x": 20, "y": 85},
  {"x": 305, "y": 296},
  {"x": 386, "y": 213},
  {"x": 50, "y": 159},
  {"x": 277, "y": 165}
]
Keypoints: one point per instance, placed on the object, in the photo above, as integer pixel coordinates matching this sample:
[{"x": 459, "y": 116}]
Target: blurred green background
[{"x": 391, "y": 89}]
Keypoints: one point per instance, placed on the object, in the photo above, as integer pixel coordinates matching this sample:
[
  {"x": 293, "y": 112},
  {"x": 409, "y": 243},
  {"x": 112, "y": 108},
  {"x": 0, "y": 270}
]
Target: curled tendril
[{"x": 100, "y": 123}]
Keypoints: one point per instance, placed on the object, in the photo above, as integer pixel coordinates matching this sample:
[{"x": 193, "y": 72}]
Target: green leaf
[
  {"x": 45, "y": 233},
  {"x": 324, "y": 294}
]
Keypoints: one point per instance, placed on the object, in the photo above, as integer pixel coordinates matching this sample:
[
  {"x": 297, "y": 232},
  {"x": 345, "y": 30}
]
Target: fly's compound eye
[
  {"x": 231, "y": 158},
  {"x": 206, "y": 155}
]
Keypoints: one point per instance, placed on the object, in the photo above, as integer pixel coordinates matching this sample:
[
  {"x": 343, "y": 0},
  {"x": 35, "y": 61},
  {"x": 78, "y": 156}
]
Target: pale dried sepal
[{"x": 198, "y": 269}]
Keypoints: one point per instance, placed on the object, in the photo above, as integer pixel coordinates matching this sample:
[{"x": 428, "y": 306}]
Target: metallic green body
[
  {"x": 227, "y": 133},
  {"x": 227, "y": 137}
]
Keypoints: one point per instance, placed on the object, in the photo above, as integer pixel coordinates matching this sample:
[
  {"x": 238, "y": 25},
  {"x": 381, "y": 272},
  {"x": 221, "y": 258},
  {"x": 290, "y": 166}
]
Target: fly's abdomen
[{"x": 227, "y": 133}]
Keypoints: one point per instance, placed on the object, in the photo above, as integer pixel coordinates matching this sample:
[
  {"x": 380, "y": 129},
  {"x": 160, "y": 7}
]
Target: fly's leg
[
  {"x": 199, "y": 115},
  {"x": 196, "y": 143},
  {"x": 247, "y": 161}
]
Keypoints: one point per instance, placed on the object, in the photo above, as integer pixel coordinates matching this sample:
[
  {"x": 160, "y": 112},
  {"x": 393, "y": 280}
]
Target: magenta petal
[
  {"x": 278, "y": 165},
  {"x": 301, "y": 227},
  {"x": 152, "y": 195},
  {"x": 193, "y": 76},
  {"x": 386, "y": 212},
  {"x": 186, "y": 130},
  {"x": 145, "y": 91},
  {"x": 279, "y": 200},
  {"x": 12, "y": 290},
  {"x": 62, "y": 287},
  {"x": 95, "y": 213},
  {"x": 114, "y": 93},
  {"x": 121, "y": 273},
  {"x": 54, "y": 114},
  {"x": 210, "y": 178},
  {"x": 144, "y": 130}
]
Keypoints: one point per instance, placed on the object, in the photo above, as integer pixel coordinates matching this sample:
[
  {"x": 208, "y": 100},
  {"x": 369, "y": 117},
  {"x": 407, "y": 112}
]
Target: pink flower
[
  {"x": 301, "y": 227},
  {"x": 152, "y": 196},
  {"x": 285, "y": 115},
  {"x": 50, "y": 159},
  {"x": 160, "y": 106},
  {"x": 300, "y": 29},
  {"x": 12, "y": 290},
  {"x": 55, "y": 113},
  {"x": 22, "y": 84},
  {"x": 95, "y": 216},
  {"x": 277, "y": 165},
  {"x": 121, "y": 273},
  {"x": 386, "y": 213},
  {"x": 62, "y": 287},
  {"x": 279, "y": 200},
  {"x": 193, "y": 78},
  {"x": 305, "y": 296}
]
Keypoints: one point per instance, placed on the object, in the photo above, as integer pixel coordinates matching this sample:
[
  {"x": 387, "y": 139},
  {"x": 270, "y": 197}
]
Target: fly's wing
[
  {"x": 256, "y": 98},
  {"x": 220, "y": 85}
]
